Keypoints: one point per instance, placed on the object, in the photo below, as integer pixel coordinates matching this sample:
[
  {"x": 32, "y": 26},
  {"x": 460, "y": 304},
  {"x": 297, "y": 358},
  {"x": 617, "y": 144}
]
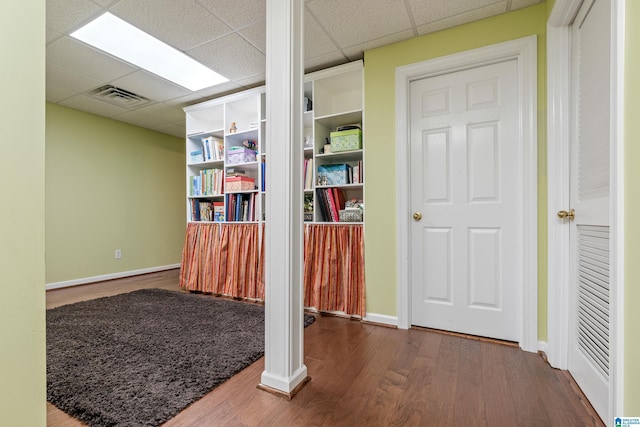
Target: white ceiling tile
[
  {"x": 173, "y": 129},
  {"x": 464, "y": 18},
  {"x": 150, "y": 86},
  {"x": 94, "y": 106},
  {"x": 356, "y": 52},
  {"x": 324, "y": 61},
  {"x": 141, "y": 119},
  {"x": 316, "y": 41},
  {"x": 217, "y": 89},
  {"x": 425, "y": 11},
  {"x": 336, "y": 31},
  {"x": 519, "y": 4},
  {"x": 52, "y": 35},
  {"x": 55, "y": 94},
  {"x": 164, "y": 112},
  {"x": 183, "y": 101},
  {"x": 256, "y": 34},
  {"x": 183, "y": 24},
  {"x": 237, "y": 13},
  {"x": 231, "y": 56},
  {"x": 350, "y": 23},
  {"x": 67, "y": 79},
  {"x": 105, "y": 3},
  {"x": 253, "y": 81},
  {"x": 86, "y": 60},
  {"x": 65, "y": 16}
]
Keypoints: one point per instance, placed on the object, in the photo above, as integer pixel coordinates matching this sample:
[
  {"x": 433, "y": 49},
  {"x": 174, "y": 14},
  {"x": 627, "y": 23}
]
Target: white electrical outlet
[{"x": 118, "y": 254}]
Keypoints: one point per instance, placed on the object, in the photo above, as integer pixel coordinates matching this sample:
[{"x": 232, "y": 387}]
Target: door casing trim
[{"x": 524, "y": 51}]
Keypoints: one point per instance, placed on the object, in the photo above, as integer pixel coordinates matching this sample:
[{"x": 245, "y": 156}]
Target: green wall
[
  {"x": 632, "y": 207},
  {"x": 110, "y": 185},
  {"x": 380, "y": 66},
  {"x": 22, "y": 305}
]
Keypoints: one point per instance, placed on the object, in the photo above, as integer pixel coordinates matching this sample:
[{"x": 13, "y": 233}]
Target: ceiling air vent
[{"x": 121, "y": 97}]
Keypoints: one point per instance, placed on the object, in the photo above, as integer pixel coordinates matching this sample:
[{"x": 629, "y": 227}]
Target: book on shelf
[
  {"x": 208, "y": 182},
  {"x": 322, "y": 205},
  {"x": 330, "y": 201},
  {"x": 263, "y": 175},
  {"x": 218, "y": 211},
  {"x": 357, "y": 173},
  {"x": 240, "y": 207},
  {"x": 202, "y": 210},
  {"x": 195, "y": 209},
  {"x": 308, "y": 174},
  {"x": 339, "y": 197},
  {"x": 212, "y": 148},
  {"x": 332, "y": 205}
]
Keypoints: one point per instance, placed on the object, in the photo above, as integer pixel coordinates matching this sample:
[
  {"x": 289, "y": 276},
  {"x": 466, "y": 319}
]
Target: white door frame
[
  {"x": 558, "y": 138},
  {"x": 524, "y": 51}
]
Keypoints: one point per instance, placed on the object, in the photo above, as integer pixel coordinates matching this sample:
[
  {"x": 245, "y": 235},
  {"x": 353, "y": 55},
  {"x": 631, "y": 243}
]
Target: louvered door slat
[{"x": 593, "y": 295}]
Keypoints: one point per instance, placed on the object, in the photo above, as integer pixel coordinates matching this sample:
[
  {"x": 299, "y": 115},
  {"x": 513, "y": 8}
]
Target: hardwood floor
[{"x": 368, "y": 375}]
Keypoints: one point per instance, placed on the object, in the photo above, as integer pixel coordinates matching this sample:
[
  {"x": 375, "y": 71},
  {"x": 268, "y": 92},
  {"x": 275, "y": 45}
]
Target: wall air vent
[{"x": 120, "y": 97}]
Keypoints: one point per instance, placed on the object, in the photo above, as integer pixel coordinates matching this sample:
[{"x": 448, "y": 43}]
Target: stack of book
[
  {"x": 330, "y": 201},
  {"x": 203, "y": 210},
  {"x": 212, "y": 148},
  {"x": 241, "y": 207},
  {"x": 209, "y": 182}
]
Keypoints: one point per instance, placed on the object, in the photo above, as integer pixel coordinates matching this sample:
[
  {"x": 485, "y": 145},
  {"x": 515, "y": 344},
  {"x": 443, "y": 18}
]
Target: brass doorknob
[
  {"x": 417, "y": 216},
  {"x": 564, "y": 214}
]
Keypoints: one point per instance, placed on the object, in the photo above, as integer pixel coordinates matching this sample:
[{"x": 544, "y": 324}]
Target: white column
[{"x": 284, "y": 369}]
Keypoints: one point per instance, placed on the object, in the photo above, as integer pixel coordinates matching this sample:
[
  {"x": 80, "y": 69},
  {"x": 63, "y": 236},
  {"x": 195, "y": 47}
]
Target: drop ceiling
[{"x": 228, "y": 36}]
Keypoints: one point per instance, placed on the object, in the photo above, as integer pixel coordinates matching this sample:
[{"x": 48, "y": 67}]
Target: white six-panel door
[{"x": 466, "y": 176}]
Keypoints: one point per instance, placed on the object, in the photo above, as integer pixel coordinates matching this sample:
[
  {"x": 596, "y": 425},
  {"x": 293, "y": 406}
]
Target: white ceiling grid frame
[
  {"x": 237, "y": 13},
  {"x": 349, "y": 23},
  {"x": 229, "y": 36},
  {"x": 426, "y": 11},
  {"x": 183, "y": 24},
  {"x": 64, "y": 16},
  {"x": 93, "y": 106},
  {"x": 150, "y": 86},
  {"x": 463, "y": 18},
  {"x": 86, "y": 60},
  {"x": 231, "y": 55}
]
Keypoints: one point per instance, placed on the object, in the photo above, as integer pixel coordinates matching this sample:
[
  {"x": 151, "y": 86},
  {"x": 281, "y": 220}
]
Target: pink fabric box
[{"x": 239, "y": 183}]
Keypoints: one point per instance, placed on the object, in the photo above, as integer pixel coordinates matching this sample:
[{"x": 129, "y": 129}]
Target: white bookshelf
[
  {"x": 214, "y": 119},
  {"x": 337, "y": 100}
]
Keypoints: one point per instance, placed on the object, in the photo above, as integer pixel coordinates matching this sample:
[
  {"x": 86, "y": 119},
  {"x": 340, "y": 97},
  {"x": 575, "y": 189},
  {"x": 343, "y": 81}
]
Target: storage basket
[{"x": 351, "y": 215}]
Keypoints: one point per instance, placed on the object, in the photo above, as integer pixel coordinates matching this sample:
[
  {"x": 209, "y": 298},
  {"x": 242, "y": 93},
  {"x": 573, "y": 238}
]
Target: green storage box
[{"x": 346, "y": 140}]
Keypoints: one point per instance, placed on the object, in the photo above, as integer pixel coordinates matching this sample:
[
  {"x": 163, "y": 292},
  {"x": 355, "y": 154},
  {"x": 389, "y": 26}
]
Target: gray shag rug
[{"x": 137, "y": 359}]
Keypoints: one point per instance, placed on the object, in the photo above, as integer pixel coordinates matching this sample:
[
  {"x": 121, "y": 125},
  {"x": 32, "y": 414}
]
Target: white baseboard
[
  {"x": 543, "y": 346},
  {"x": 382, "y": 319},
  {"x": 85, "y": 280}
]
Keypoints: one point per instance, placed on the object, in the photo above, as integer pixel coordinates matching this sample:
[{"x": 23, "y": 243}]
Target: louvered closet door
[{"x": 589, "y": 349}]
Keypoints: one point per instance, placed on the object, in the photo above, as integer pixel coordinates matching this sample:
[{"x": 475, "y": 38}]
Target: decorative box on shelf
[
  {"x": 346, "y": 140},
  {"x": 333, "y": 174},
  {"x": 239, "y": 183},
  {"x": 196, "y": 156},
  {"x": 351, "y": 215},
  {"x": 239, "y": 155}
]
